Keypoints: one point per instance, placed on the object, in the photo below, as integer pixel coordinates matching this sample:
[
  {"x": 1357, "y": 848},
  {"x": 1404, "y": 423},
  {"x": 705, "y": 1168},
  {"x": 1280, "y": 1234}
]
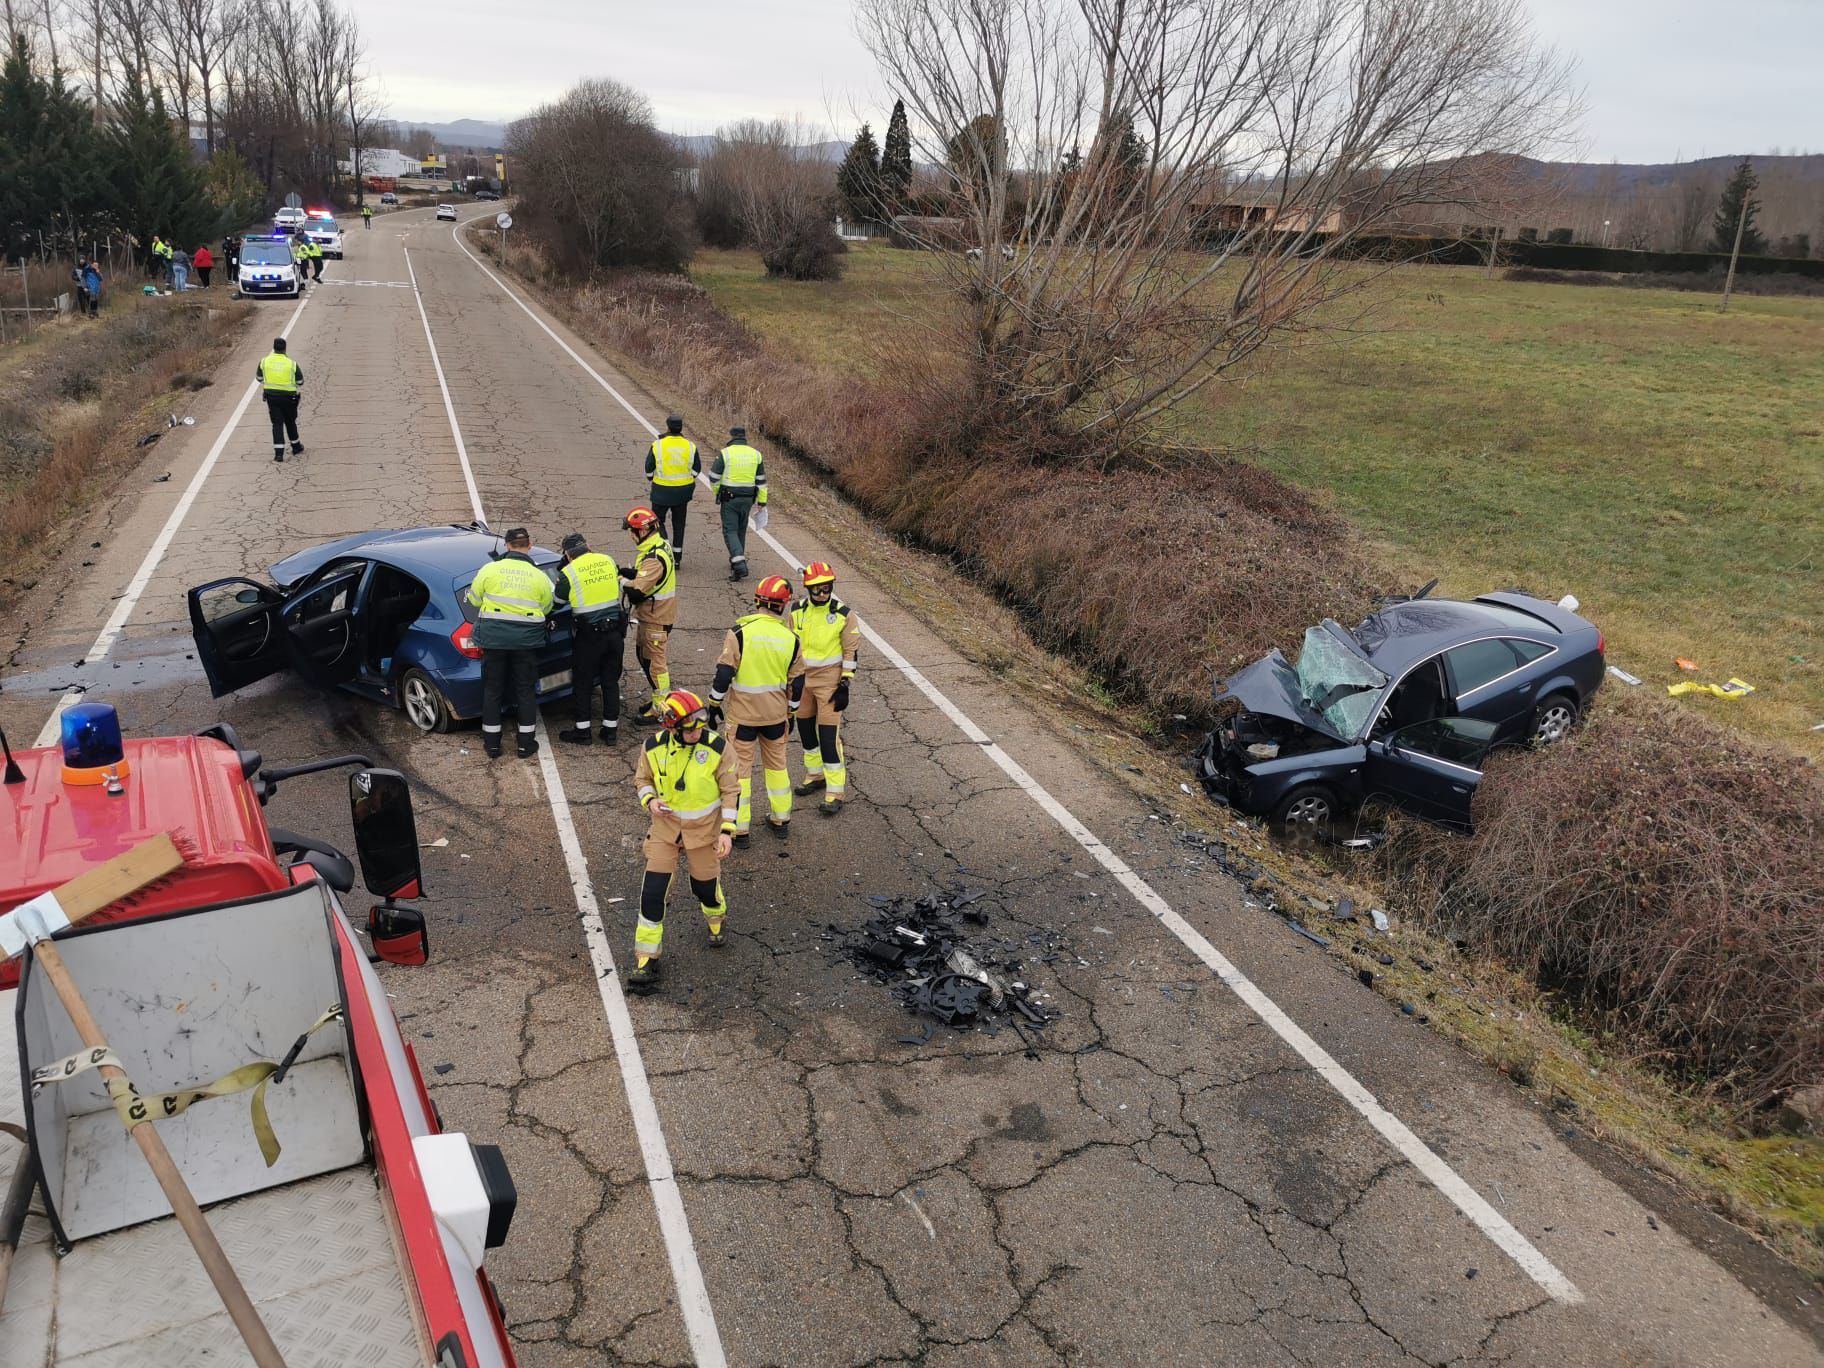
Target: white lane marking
[
  {"x": 128, "y": 601},
  {"x": 674, "y": 1225},
  {"x": 462, "y": 451},
  {"x": 1415, "y": 1151}
]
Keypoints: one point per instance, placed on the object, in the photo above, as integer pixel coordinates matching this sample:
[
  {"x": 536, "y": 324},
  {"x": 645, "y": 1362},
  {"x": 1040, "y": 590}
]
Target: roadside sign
[
  {"x": 294, "y": 200},
  {"x": 503, "y": 220}
]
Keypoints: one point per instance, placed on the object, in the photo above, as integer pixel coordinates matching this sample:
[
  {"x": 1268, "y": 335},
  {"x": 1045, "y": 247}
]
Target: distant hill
[
  {"x": 461, "y": 133},
  {"x": 1587, "y": 178},
  {"x": 701, "y": 144}
]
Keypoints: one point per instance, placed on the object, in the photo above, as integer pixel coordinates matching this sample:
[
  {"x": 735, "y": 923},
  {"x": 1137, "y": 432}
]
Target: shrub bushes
[{"x": 1661, "y": 871}]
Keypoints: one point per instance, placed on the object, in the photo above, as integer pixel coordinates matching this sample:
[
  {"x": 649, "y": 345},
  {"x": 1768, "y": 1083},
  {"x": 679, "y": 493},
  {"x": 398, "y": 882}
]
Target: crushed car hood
[{"x": 1269, "y": 687}]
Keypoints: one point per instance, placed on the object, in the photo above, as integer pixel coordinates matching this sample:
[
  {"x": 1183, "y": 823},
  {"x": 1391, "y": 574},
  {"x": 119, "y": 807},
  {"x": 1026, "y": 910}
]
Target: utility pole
[{"x": 1735, "y": 252}]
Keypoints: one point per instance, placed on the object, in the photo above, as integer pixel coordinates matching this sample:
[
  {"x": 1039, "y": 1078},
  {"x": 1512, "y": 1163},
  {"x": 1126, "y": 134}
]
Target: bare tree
[
  {"x": 1277, "y": 135},
  {"x": 1693, "y": 203},
  {"x": 780, "y": 192}
]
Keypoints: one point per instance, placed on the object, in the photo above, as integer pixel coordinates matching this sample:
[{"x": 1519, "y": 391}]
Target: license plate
[{"x": 560, "y": 680}]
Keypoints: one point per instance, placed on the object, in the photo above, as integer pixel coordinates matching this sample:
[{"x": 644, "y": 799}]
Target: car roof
[
  {"x": 1400, "y": 634},
  {"x": 447, "y": 554}
]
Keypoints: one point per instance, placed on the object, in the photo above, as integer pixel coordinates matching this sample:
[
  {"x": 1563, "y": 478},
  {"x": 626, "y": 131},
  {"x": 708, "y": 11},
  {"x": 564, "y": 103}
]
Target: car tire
[
  {"x": 1309, "y": 806},
  {"x": 423, "y": 702},
  {"x": 1553, "y": 720}
]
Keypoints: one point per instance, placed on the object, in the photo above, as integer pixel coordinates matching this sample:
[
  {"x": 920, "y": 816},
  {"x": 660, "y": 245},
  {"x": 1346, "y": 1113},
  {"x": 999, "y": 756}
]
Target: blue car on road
[{"x": 381, "y": 614}]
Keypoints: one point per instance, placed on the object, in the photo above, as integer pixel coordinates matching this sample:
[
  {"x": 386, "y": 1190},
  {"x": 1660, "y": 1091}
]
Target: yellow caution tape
[{"x": 135, "y": 1110}]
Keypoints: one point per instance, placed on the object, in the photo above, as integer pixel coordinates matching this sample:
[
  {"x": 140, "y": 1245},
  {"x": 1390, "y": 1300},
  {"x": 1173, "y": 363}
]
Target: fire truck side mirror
[
  {"x": 386, "y": 836},
  {"x": 399, "y": 934}
]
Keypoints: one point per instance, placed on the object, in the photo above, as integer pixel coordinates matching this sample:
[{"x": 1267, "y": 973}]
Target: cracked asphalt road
[{"x": 1166, "y": 1182}]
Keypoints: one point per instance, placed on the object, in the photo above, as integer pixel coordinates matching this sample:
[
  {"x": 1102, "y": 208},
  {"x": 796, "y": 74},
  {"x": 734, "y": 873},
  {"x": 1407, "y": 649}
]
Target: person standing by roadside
[
  {"x": 231, "y": 254},
  {"x": 672, "y": 465},
  {"x": 829, "y": 636},
  {"x": 180, "y": 270},
  {"x": 756, "y": 672},
  {"x": 80, "y": 276},
  {"x": 513, "y": 599},
  {"x": 204, "y": 263},
  {"x": 591, "y": 585},
  {"x": 161, "y": 258},
  {"x": 685, "y": 778},
  {"x": 315, "y": 254},
  {"x": 91, "y": 280},
  {"x": 283, "y": 381},
  {"x": 738, "y": 480},
  {"x": 367, "y": 216},
  {"x": 652, "y": 588}
]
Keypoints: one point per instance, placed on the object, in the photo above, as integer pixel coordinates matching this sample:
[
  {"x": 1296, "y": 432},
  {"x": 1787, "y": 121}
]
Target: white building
[{"x": 382, "y": 161}]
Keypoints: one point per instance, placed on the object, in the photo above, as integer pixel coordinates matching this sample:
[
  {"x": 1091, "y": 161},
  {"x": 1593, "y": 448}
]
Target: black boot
[
  {"x": 490, "y": 742},
  {"x": 297, "y": 448},
  {"x": 528, "y": 745},
  {"x": 611, "y": 734},
  {"x": 278, "y": 453},
  {"x": 578, "y": 736}
]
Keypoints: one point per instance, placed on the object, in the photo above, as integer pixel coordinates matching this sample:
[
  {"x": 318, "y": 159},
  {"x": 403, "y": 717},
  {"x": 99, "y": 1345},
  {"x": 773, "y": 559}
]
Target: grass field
[{"x": 1660, "y": 460}]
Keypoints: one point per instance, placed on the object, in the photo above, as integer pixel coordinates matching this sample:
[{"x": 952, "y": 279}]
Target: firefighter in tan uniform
[
  {"x": 651, "y": 585},
  {"x": 829, "y": 641},
  {"x": 686, "y": 779},
  {"x": 754, "y": 673}
]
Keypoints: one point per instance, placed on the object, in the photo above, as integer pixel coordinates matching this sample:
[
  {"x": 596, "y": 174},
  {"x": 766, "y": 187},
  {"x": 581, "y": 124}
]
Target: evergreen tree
[
  {"x": 159, "y": 188},
  {"x": 858, "y": 178},
  {"x": 50, "y": 183},
  {"x": 896, "y": 162},
  {"x": 1738, "y": 203}
]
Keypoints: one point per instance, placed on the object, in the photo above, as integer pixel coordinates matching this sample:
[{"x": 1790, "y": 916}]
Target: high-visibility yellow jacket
[
  {"x": 758, "y": 662},
  {"x": 279, "y": 374},
  {"x": 741, "y": 471},
  {"x": 592, "y": 586},
  {"x": 829, "y": 637},
  {"x": 672, "y": 462},
  {"x": 655, "y": 582},
  {"x": 698, "y": 783},
  {"x": 512, "y": 597}
]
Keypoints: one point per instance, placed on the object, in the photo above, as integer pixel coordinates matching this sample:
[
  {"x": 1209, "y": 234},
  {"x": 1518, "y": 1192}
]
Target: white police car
[
  {"x": 288, "y": 220},
  {"x": 267, "y": 267},
  {"x": 321, "y": 228}
]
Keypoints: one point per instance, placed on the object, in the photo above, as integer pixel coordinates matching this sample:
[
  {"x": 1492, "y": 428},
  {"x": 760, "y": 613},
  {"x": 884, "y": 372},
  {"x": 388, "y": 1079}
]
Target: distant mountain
[
  {"x": 461, "y": 133},
  {"x": 701, "y": 144},
  {"x": 1588, "y": 178}
]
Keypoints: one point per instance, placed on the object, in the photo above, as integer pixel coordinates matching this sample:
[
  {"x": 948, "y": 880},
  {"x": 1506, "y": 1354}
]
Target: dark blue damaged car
[{"x": 1403, "y": 709}]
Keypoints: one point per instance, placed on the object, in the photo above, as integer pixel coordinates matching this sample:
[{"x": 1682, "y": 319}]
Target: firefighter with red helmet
[
  {"x": 651, "y": 586},
  {"x": 754, "y": 673},
  {"x": 686, "y": 778},
  {"x": 829, "y": 641}
]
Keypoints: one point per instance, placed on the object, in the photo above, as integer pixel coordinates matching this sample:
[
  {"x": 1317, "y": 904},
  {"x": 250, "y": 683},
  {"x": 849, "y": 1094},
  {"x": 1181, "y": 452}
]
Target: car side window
[
  {"x": 1479, "y": 662},
  {"x": 1529, "y": 651},
  {"x": 1457, "y": 740}
]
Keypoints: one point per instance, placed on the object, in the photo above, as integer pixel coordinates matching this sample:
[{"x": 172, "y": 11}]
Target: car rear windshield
[
  {"x": 1336, "y": 681},
  {"x": 265, "y": 254}
]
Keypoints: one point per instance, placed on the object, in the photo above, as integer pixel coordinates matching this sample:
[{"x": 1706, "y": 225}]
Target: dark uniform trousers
[
  {"x": 515, "y": 669},
  {"x": 597, "y": 647},
  {"x": 282, "y": 408}
]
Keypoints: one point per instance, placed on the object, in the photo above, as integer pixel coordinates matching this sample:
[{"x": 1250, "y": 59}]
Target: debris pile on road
[{"x": 921, "y": 949}]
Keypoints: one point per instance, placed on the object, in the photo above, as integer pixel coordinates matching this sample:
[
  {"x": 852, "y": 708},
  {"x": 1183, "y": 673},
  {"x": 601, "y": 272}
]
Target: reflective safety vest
[
  {"x": 684, "y": 777},
  {"x": 595, "y": 585},
  {"x": 740, "y": 467},
  {"x": 311, "y": 249},
  {"x": 161, "y": 248},
  {"x": 656, "y": 545},
  {"x": 820, "y": 627},
  {"x": 511, "y": 589},
  {"x": 279, "y": 374},
  {"x": 672, "y": 458},
  {"x": 767, "y": 649}
]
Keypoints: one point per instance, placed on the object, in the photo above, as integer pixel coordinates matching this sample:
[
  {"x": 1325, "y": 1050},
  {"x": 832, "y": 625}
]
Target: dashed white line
[
  {"x": 674, "y": 1225},
  {"x": 1499, "y": 1230},
  {"x": 128, "y": 601},
  {"x": 462, "y": 451}
]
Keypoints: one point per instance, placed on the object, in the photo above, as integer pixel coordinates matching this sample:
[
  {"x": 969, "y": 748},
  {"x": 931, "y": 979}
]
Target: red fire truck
[{"x": 357, "y": 1225}]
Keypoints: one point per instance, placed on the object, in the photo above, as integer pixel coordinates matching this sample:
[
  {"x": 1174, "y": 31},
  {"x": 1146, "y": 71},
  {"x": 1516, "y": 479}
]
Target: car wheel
[
  {"x": 1553, "y": 720},
  {"x": 1308, "y": 807},
  {"x": 423, "y": 702}
]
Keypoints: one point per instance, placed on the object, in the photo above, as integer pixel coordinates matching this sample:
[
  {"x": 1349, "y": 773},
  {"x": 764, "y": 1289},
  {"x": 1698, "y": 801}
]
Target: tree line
[{"x": 173, "y": 117}]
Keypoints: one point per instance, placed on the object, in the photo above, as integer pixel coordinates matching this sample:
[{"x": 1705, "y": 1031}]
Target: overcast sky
[{"x": 1665, "y": 78}]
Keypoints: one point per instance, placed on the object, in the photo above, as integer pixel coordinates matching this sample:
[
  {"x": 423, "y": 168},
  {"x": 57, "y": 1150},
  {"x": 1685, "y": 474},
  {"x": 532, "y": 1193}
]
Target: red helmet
[
  {"x": 818, "y": 572},
  {"x": 773, "y": 590},
  {"x": 640, "y": 520},
  {"x": 679, "y": 707}
]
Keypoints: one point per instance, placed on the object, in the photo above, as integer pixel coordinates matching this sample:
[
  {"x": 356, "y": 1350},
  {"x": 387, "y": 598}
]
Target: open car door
[
  {"x": 1431, "y": 768},
  {"x": 322, "y": 635},
  {"x": 238, "y": 635}
]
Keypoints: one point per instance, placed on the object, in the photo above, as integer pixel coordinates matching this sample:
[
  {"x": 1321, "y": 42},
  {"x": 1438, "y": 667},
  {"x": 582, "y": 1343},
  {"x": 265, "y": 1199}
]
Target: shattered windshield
[{"x": 1337, "y": 683}]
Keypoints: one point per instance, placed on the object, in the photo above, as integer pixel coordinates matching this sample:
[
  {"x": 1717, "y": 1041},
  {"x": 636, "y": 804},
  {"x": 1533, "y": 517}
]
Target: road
[{"x": 1224, "y": 1151}]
